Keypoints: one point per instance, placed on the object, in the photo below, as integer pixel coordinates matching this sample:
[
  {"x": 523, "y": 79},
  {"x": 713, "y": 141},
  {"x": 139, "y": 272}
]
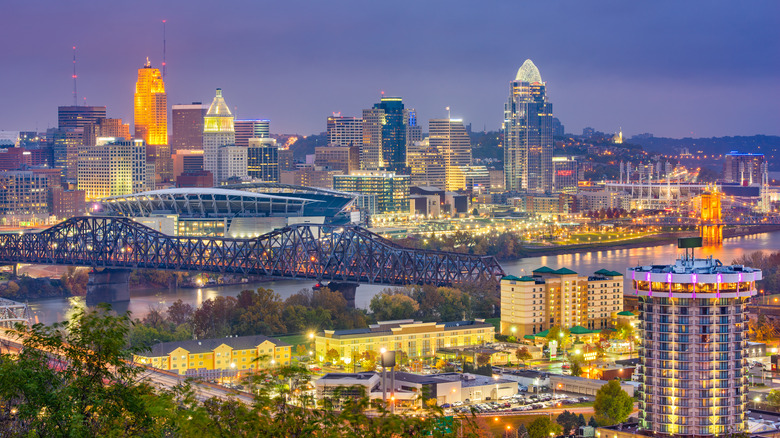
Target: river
[{"x": 58, "y": 309}]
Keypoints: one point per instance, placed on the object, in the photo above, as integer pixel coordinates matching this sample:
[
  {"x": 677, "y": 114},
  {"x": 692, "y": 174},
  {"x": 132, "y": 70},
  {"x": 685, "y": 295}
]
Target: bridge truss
[
  {"x": 321, "y": 252},
  {"x": 12, "y": 312}
]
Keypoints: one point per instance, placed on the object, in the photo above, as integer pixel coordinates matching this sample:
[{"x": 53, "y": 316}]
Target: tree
[
  {"x": 332, "y": 355},
  {"x": 581, "y": 421},
  {"x": 522, "y": 432},
  {"x": 567, "y": 420},
  {"x": 612, "y": 405},
  {"x": 368, "y": 360},
  {"x": 391, "y": 305},
  {"x": 179, "y": 313},
  {"x": 561, "y": 335},
  {"x": 483, "y": 359},
  {"x": 576, "y": 369},
  {"x": 773, "y": 398},
  {"x": 522, "y": 354},
  {"x": 592, "y": 422},
  {"x": 542, "y": 427}
]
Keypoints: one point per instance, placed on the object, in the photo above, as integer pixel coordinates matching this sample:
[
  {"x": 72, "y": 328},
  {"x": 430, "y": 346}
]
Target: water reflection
[{"x": 58, "y": 309}]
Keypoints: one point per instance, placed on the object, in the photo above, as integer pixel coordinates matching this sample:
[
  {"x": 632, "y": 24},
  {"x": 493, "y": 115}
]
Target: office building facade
[
  {"x": 23, "y": 192},
  {"x": 743, "y": 168},
  {"x": 528, "y": 133},
  {"x": 218, "y": 131},
  {"x": 562, "y": 298},
  {"x": 187, "y": 161},
  {"x": 187, "y": 126},
  {"x": 693, "y": 357},
  {"x": 565, "y": 175},
  {"x": 151, "y": 119},
  {"x": 345, "y": 131},
  {"x": 246, "y": 129},
  {"x": 232, "y": 163},
  {"x": 71, "y": 117},
  {"x": 392, "y": 190},
  {"x": 116, "y": 168},
  {"x": 343, "y": 158},
  {"x": 263, "y": 159}
]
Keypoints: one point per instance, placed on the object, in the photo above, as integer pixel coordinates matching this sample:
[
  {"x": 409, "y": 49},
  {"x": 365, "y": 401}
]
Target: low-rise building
[
  {"x": 414, "y": 338},
  {"x": 213, "y": 358}
]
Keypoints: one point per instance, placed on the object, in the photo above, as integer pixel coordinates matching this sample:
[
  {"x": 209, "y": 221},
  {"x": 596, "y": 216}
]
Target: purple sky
[{"x": 691, "y": 68}]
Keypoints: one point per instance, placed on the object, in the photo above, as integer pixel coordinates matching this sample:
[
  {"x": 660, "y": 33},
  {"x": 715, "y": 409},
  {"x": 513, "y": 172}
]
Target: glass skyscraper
[
  {"x": 528, "y": 133},
  {"x": 384, "y": 136}
]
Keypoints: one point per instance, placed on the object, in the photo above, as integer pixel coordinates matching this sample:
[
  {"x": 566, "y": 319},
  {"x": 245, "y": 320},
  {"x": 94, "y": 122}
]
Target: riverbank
[{"x": 642, "y": 242}]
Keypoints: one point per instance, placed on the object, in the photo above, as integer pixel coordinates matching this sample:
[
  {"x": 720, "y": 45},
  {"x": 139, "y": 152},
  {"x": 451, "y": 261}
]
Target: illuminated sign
[{"x": 565, "y": 172}]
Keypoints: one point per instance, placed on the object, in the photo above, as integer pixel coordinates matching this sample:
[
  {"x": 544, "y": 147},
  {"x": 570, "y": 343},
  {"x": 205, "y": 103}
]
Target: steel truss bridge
[
  {"x": 12, "y": 312},
  {"x": 348, "y": 254}
]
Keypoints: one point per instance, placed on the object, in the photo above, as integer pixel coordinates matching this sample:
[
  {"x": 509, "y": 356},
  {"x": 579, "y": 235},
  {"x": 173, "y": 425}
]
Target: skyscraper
[
  {"x": 263, "y": 159},
  {"x": 187, "y": 126},
  {"x": 384, "y": 136},
  {"x": 450, "y": 138},
  {"x": 528, "y": 133},
  {"x": 246, "y": 129},
  {"x": 345, "y": 131},
  {"x": 693, "y": 359},
  {"x": 151, "y": 119},
  {"x": 218, "y": 131},
  {"x": 743, "y": 168}
]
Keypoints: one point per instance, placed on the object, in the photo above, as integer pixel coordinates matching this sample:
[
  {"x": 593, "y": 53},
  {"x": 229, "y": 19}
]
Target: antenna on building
[
  {"x": 163, "y": 63},
  {"x": 75, "y": 90}
]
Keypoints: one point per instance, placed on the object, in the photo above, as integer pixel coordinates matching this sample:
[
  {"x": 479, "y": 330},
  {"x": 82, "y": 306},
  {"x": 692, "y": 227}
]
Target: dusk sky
[{"x": 676, "y": 69}]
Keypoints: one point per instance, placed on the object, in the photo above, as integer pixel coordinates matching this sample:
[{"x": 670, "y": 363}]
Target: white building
[
  {"x": 218, "y": 130},
  {"x": 112, "y": 168},
  {"x": 232, "y": 162}
]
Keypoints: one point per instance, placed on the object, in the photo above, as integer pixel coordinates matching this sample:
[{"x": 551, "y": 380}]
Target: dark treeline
[{"x": 504, "y": 245}]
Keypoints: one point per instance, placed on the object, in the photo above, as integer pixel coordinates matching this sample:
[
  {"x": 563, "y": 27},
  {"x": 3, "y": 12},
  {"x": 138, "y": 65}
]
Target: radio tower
[
  {"x": 75, "y": 92},
  {"x": 163, "y": 63}
]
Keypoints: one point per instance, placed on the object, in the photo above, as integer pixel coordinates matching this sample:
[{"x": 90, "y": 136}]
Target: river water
[{"x": 58, "y": 309}]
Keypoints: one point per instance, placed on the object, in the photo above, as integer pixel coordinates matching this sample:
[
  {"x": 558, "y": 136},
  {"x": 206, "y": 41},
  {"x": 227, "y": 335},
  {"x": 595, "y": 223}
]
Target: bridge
[{"x": 345, "y": 256}]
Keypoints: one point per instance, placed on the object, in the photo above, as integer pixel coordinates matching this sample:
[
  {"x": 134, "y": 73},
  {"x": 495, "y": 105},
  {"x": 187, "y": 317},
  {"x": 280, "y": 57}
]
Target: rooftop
[
  {"x": 207, "y": 345},
  {"x": 690, "y": 265},
  {"x": 528, "y": 73}
]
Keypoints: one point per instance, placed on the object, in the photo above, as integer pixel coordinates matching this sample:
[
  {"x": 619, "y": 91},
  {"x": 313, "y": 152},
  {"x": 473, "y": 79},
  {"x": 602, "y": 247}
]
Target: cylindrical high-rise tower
[{"x": 694, "y": 346}]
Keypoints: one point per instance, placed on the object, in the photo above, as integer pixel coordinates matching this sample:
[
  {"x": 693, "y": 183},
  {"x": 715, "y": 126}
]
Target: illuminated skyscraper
[
  {"x": 384, "y": 136},
  {"x": 218, "y": 131},
  {"x": 693, "y": 370},
  {"x": 151, "y": 119},
  {"x": 528, "y": 133},
  {"x": 345, "y": 131},
  {"x": 450, "y": 138}
]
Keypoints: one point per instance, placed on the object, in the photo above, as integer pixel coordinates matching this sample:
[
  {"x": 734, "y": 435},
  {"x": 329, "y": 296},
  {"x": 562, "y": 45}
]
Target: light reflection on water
[{"x": 58, "y": 309}]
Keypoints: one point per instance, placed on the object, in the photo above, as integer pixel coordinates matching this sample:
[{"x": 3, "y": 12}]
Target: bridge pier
[
  {"x": 108, "y": 286},
  {"x": 348, "y": 290}
]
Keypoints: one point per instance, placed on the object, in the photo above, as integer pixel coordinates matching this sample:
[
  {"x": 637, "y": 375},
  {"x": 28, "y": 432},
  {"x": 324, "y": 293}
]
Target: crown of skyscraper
[
  {"x": 218, "y": 106},
  {"x": 528, "y": 73}
]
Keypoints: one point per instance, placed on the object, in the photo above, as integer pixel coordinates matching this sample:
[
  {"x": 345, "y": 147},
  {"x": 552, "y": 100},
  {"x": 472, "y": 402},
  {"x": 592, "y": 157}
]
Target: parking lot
[{"x": 517, "y": 403}]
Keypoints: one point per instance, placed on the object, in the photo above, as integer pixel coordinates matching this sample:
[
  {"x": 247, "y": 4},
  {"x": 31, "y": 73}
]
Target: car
[
  {"x": 446, "y": 405},
  {"x": 505, "y": 397},
  {"x": 566, "y": 366},
  {"x": 458, "y": 403}
]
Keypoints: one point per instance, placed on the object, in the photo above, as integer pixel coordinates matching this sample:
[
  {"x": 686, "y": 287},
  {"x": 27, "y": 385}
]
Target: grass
[
  {"x": 295, "y": 340},
  {"x": 496, "y": 323}
]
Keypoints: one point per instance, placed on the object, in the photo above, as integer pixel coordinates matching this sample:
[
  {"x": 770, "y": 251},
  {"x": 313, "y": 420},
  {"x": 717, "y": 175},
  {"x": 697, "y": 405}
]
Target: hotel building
[
  {"x": 415, "y": 338},
  {"x": 203, "y": 357},
  {"x": 562, "y": 298},
  {"x": 694, "y": 329}
]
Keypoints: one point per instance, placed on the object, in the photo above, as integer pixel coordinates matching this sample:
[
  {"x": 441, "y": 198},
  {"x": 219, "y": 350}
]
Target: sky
[{"x": 671, "y": 68}]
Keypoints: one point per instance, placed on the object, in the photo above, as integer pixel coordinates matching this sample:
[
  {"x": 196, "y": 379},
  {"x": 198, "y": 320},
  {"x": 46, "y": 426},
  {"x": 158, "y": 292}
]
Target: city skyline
[{"x": 661, "y": 73}]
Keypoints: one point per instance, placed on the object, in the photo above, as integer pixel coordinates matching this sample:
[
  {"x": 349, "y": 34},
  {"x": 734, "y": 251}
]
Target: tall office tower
[
  {"x": 218, "y": 130},
  {"x": 246, "y": 129},
  {"x": 111, "y": 169},
  {"x": 565, "y": 178},
  {"x": 413, "y": 129},
  {"x": 151, "y": 119},
  {"x": 187, "y": 161},
  {"x": 232, "y": 163},
  {"x": 743, "y": 168},
  {"x": 427, "y": 166},
  {"x": 450, "y": 138},
  {"x": 263, "y": 159},
  {"x": 187, "y": 126},
  {"x": 693, "y": 358},
  {"x": 79, "y": 116},
  {"x": 528, "y": 138},
  {"x": 345, "y": 131},
  {"x": 384, "y": 136},
  {"x": 65, "y": 144}
]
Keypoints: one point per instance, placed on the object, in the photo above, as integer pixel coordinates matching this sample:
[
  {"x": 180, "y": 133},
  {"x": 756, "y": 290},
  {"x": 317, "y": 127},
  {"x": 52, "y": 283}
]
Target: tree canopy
[{"x": 613, "y": 405}]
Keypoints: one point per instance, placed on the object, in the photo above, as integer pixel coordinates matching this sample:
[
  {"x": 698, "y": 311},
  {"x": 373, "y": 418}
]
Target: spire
[
  {"x": 218, "y": 106},
  {"x": 528, "y": 73}
]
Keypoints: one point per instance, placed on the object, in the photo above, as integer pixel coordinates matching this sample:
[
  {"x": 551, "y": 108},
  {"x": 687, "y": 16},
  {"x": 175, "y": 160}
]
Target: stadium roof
[{"x": 285, "y": 201}]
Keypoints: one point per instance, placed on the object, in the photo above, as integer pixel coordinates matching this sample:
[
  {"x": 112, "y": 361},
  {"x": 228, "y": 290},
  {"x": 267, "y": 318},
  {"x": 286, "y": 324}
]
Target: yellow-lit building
[
  {"x": 216, "y": 357},
  {"x": 416, "y": 339},
  {"x": 562, "y": 298},
  {"x": 151, "y": 118}
]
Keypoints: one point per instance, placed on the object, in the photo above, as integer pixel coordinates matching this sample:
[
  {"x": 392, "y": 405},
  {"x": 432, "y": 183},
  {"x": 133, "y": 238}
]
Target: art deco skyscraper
[
  {"x": 528, "y": 133},
  {"x": 218, "y": 130},
  {"x": 151, "y": 118}
]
